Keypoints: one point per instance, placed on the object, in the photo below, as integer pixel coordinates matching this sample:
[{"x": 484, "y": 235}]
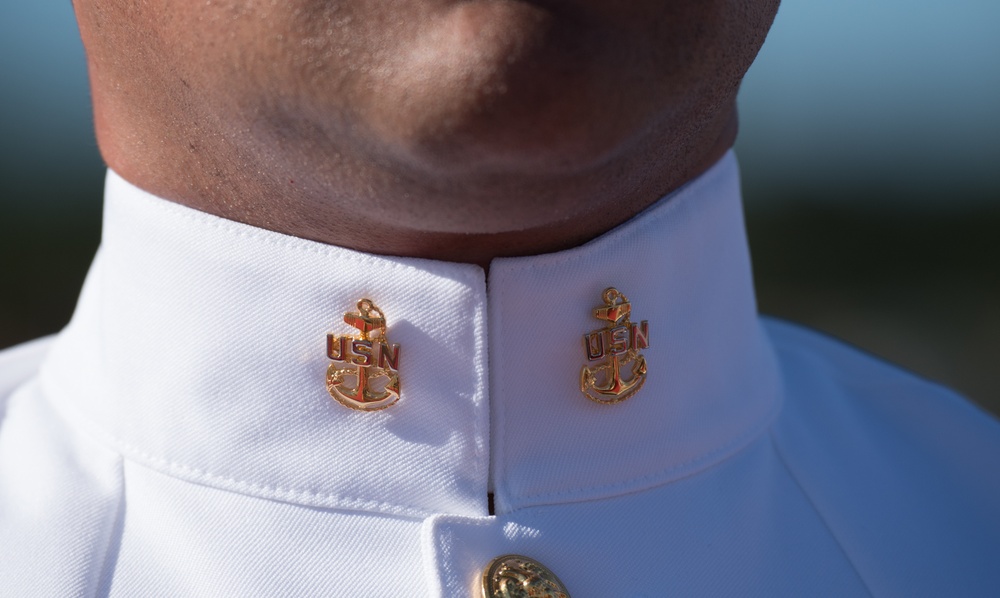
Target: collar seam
[
  {"x": 648, "y": 218},
  {"x": 181, "y": 471},
  {"x": 282, "y": 240},
  {"x": 663, "y": 477}
]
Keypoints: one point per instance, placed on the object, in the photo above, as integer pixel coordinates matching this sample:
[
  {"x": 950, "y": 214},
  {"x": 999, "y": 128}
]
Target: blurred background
[{"x": 870, "y": 146}]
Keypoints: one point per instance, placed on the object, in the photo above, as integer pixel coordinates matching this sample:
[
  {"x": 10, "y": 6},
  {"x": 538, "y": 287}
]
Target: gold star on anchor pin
[
  {"x": 364, "y": 373},
  {"x": 620, "y": 370}
]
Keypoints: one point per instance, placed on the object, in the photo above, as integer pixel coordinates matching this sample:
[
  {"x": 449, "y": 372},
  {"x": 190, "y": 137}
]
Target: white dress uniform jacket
[{"x": 177, "y": 438}]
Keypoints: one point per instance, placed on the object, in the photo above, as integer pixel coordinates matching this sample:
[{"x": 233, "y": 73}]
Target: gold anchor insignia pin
[
  {"x": 368, "y": 358},
  {"x": 618, "y": 343}
]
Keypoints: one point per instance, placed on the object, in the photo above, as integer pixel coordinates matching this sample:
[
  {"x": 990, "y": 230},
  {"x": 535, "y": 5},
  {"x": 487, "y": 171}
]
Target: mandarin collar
[{"x": 198, "y": 349}]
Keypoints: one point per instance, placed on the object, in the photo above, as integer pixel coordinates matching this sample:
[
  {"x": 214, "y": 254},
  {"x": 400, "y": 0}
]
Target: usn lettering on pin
[
  {"x": 620, "y": 370},
  {"x": 618, "y": 340},
  {"x": 368, "y": 360},
  {"x": 361, "y": 352}
]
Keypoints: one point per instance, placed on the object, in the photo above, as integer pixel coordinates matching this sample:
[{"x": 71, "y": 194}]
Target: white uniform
[{"x": 177, "y": 439}]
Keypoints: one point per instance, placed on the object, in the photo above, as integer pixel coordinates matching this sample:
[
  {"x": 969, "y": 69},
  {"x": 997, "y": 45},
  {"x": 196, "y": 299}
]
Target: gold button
[{"x": 516, "y": 576}]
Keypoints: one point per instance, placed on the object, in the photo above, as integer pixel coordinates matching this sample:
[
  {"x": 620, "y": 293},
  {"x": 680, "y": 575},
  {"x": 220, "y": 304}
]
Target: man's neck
[{"x": 365, "y": 205}]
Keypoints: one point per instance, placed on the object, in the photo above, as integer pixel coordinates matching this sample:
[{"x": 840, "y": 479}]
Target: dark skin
[{"x": 452, "y": 130}]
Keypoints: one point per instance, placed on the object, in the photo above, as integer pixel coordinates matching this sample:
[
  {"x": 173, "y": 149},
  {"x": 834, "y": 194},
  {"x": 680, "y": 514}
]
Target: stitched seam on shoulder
[
  {"x": 815, "y": 508},
  {"x": 11, "y": 357},
  {"x": 117, "y": 529}
]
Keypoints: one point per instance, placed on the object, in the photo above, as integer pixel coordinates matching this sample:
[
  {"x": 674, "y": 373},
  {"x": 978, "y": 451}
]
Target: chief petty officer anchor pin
[
  {"x": 623, "y": 369},
  {"x": 364, "y": 373}
]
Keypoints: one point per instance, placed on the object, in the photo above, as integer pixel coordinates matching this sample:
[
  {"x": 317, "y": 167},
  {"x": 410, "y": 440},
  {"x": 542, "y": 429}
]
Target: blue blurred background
[{"x": 870, "y": 139}]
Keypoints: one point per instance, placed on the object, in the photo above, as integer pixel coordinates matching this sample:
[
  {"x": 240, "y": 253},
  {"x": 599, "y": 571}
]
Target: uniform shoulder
[
  {"x": 851, "y": 366},
  {"x": 901, "y": 469},
  {"x": 19, "y": 363},
  {"x": 819, "y": 369}
]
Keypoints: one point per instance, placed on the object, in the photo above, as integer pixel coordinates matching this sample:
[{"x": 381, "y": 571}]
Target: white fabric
[{"x": 177, "y": 438}]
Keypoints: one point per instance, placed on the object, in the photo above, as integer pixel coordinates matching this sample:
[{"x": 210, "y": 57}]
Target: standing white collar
[{"x": 199, "y": 349}]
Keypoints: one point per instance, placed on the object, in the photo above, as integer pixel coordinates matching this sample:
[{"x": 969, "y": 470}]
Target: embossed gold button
[
  {"x": 516, "y": 576},
  {"x": 620, "y": 370},
  {"x": 367, "y": 359}
]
